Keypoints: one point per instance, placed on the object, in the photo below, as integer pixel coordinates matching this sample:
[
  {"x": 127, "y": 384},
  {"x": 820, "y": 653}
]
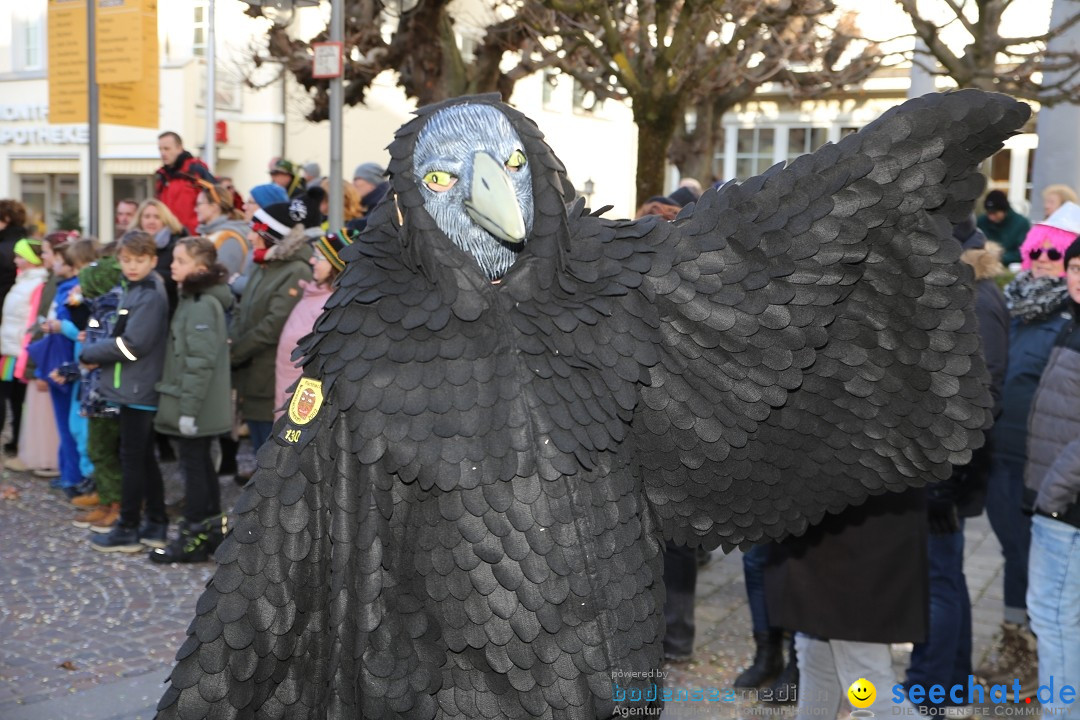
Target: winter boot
[
  {"x": 194, "y": 543},
  {"x": 768, "y": 661},
  {"x": 1016, "y": 658},
  {"x": 786, "y": 688}
]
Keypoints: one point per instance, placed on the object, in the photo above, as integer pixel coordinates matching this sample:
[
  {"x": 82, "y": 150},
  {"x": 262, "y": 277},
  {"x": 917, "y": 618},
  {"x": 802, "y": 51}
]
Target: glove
[
  {"x": 187, "y": 425},
  {"x": 942, "y": 516}
]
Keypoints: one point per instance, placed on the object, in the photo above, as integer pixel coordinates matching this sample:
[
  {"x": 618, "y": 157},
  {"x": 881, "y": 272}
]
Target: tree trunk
[
  {"x": 656, "y": 127},
  {"x": 693, "y": 152}
]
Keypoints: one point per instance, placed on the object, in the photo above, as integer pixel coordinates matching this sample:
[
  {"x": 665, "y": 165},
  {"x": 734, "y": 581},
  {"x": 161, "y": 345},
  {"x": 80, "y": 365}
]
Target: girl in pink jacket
[{"x": 326, "y": 263}]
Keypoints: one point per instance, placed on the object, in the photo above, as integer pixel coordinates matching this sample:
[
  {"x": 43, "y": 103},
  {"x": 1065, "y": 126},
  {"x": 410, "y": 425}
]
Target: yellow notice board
[
  {"x": 118, "y": 35},
  {"x": 130, "y": 96},
  {"x": 135, "y": 103},
  {"x": 67, "y": 61}
]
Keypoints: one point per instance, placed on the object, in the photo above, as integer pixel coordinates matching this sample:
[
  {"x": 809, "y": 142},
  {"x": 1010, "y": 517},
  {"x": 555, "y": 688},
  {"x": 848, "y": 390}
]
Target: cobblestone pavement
[
  {"x": 72, "y": 618},
  {"x": 82, "y": 628}
]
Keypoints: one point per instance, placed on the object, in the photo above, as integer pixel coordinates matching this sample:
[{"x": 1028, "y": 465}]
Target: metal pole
[
  {"x": 92, "y": 119},
  {"x": 210, "y": 151},
  {"x": 337, "y": 34}
]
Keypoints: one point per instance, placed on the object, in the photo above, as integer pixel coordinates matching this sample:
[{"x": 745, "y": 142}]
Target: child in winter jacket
[
  {"x": 100, "y": 282},
  {"x": 62, "y": 323},
  {"x": 195, "y": 389},
  {"x": 19, "y": 313},
  {"x": 326, "y": 263},
  {"x": 131, "y": 362}
]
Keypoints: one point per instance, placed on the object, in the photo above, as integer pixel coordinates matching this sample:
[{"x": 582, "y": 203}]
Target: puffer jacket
[
  {"x": 271, "y": 293},
  {"x": 300, "y": 323},
  {"x": 195, "y": 381},
  {"x": 17, "y": 307},
  {"x": 1030, "y": 342},
  {"x": 230, "y": 238},
  {"x": 133, "y": 359},
  {"x": 1052, "y": 473}
]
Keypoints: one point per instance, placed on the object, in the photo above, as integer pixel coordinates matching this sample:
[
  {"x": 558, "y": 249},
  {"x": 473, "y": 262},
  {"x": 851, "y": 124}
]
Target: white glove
[{"x": 187, "y": 425}]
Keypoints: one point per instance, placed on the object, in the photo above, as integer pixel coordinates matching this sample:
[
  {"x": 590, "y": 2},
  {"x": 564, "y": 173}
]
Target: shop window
[{"x": 52, "y": 201}]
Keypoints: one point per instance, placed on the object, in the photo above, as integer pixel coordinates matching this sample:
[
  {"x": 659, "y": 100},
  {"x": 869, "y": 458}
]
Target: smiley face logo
[{"x": 862, "y": 693}]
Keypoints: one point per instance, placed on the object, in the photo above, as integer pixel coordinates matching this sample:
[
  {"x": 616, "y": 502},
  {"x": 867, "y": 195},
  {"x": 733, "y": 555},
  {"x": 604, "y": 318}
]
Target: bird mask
[{"x": 478, "y": 170}]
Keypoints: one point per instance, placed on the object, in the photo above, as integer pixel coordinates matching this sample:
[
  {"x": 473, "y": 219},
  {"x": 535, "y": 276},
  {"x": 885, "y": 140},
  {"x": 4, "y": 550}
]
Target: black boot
[
  {"x": 786, "y": 688},
  {"x": 194, "y": 542},
  {"x": 768, "y": 661}
]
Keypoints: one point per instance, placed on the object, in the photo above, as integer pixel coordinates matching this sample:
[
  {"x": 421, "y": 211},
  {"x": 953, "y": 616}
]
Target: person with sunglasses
[{"x": 1037, "y": 299}]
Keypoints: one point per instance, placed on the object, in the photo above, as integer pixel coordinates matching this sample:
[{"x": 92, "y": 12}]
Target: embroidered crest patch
[{"x": 306, "y": 401}]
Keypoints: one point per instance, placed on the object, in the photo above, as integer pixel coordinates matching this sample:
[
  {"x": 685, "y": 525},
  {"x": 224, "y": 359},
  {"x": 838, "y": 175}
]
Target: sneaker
[
  {"x": 72, "y": 492},
  {"x": 1015, "y": 658},
  {"x": 194, "y": 543},
  {"x": 92, "y": 517},
  {"x": 153, "y": 534},
  {"x": 45, "y": 473},
  {"x": 105, "y": 524},
  {"x": 118, "y": 539},
  {"x": 14, "y": 464},
  {"x": 86, "y": 501}
]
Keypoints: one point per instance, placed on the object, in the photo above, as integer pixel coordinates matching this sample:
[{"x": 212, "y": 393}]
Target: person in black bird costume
[{"x": 508, "y": 404}]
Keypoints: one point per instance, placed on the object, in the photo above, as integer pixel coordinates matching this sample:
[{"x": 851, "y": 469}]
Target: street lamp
[
  {"x": 589, "y": 188},
  {"x": 279, "y": 12}
]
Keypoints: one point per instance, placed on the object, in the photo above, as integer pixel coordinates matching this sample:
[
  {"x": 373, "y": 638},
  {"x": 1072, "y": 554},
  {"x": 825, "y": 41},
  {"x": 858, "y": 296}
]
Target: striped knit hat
[{"x": 331, "y": 244}]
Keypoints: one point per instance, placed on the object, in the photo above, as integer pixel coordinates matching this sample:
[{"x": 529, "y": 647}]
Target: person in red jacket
[{"x": 176, "y": 181}]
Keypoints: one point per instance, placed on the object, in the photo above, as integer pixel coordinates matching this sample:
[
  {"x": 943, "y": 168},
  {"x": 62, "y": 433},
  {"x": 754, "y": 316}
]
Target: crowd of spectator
[{"x": 180, "y": 333}]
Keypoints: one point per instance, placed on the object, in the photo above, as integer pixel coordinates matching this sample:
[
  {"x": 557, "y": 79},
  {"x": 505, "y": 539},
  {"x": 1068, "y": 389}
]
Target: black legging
[
  {"x": 14, "y": 392},
  {"x": 202, "y": 494}
]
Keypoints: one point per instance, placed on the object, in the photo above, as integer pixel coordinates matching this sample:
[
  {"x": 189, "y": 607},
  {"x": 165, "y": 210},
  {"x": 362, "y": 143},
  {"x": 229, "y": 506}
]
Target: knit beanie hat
[
  {"x": 269, "y": 194},
  {"x": 29, "y": 250},
  {"x": 372, "y": 172},
  {"x": 274, "y": 222},
  {"x": 996, "y": 200},
  {"x": 331, "y": 244},
  {"x": 1072, "y": 251}
]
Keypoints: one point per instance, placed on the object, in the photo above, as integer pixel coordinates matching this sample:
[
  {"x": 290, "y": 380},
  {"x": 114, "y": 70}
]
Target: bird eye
[
  {"x": 516, "y": 161},
  {"x": 439, "y": 180}
]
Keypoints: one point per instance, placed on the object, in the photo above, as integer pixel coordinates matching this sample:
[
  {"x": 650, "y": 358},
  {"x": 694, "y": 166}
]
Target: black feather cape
[{"x": 470, "y": 526}]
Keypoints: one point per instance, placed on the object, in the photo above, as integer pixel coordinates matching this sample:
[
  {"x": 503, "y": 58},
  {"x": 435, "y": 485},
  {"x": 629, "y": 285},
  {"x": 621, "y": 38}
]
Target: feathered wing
[
  {"x": 296, "y": 616},
  {"x": 818, "y": 337}
]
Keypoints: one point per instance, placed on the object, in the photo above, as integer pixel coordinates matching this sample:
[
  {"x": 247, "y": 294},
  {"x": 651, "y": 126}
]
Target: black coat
[
  {"x": 8, "y": 237},
  {"x": 461, "y": 513},
  {"x": 862, "y": 575}
]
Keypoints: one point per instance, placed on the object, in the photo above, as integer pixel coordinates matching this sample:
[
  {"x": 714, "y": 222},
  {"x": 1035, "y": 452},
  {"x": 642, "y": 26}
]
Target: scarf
[
  {"x": 1030, "y": 298},
  {"x": 163, "y": 237}
]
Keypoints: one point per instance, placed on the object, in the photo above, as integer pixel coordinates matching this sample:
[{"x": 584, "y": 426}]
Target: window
[
  {"x": 198, "y": 40},
  {"x": 549, "y": 83},
  {"x": 52, "y": 201},
  {"x": 584, "y": 100},
  {"x": 28, "y": 36},
  {"x": 718, "y": 157},
  {"x": 753, "y": 151},
  {"x": 803, "y": 140}
]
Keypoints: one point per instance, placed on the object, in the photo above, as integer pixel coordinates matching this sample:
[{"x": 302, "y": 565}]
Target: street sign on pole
[{"x": 327, "y": 62}]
